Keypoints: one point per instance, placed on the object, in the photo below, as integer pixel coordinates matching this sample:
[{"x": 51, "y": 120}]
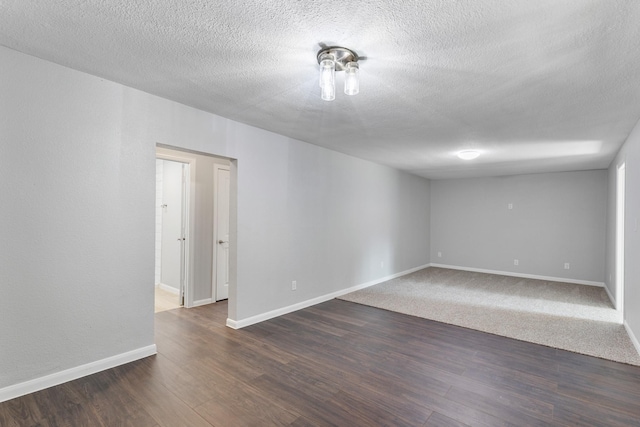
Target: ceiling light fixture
[
  {"x": 335, "y": 58},
  {"x": 468, "y": 154}
]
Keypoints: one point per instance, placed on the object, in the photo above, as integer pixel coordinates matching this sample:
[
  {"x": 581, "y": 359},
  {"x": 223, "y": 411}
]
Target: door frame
[
  {"x": 620, "y": 230},
  {"x": 214, "y": 263},
  {"x": 189, "y": 248}
]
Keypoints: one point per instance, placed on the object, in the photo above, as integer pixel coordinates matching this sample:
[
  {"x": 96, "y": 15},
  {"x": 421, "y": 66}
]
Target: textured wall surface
[
  {"x": 78, "y": 225},
  {"x": 77, "y": 159},
  {"x": 537, "y": 86},
  {"x": 321, "y": 218},
  {"x": 555, "y": 218}
]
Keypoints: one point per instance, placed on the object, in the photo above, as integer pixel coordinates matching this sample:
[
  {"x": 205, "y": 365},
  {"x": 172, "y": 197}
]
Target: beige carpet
[{"x": 572, "y": 317}]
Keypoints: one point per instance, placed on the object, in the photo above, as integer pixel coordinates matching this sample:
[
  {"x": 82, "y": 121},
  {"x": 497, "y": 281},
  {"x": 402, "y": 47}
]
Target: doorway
[
  {"x": 620, "y": 206},
  {"x": 172, "y": 229},
  {"x": 207, "y": 199}
]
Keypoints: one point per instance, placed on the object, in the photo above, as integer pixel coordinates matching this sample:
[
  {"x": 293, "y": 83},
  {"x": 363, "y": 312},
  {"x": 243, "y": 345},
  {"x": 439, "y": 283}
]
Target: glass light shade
[
  {"x": 352, "y": 79},
  {"x": 328, "y": 91},
  {"x": 327, "y": 72}
]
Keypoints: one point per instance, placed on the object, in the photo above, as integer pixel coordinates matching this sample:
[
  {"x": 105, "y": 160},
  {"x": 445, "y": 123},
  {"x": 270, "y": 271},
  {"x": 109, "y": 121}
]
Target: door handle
[
  {"x": 181, "y": 238},
  {"x": 221, "y": 242}
]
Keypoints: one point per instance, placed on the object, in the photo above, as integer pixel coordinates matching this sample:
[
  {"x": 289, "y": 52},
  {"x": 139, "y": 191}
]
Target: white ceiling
[{"x": 536, "y": 86}]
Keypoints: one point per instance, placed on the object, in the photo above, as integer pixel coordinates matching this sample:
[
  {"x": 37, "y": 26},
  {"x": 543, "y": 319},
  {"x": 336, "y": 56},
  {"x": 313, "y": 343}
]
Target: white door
[
  {"x": 174, "y": 215},
  {"x": 221, "y": 231}
]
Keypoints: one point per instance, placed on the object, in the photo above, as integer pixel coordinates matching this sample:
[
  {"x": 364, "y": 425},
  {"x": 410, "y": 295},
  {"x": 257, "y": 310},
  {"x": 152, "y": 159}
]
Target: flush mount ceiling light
[
  {"x": 335, "y": 58},
  {"x": 468, "y": 154}
]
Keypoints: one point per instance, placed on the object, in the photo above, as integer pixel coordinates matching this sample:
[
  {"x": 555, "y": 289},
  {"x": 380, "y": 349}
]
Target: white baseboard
[
  {"x": 168, "y": 288},
  {"x": 51, "y": 380},
  {"x": 632, "y": 336},
  {"x": 523, "y": 275},
  {"x": 238, "y": 324},
  {"x": 611, "y": 298},
  {"x": 201, "y": 302}
]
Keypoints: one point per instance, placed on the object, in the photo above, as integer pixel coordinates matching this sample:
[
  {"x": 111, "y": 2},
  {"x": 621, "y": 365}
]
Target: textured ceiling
[{"x": 536, "y": 86}]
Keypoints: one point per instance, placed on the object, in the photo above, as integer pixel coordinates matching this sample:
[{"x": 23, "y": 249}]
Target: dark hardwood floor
[{"x": 340, "y": 364}]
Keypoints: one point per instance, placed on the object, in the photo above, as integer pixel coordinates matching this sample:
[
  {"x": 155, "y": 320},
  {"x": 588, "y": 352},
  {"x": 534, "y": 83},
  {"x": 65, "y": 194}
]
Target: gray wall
[
  {"x": 556, "y": 218},
  {"x": 77, "y": 221},
  {"x": 630, "y": 155},
  {"x": 77, "y": 159},
  {"x": 321, "y": 218}
]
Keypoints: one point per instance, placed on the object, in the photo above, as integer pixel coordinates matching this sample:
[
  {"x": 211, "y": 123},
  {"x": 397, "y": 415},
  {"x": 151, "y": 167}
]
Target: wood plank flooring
[{"x": 338, "y": 364}]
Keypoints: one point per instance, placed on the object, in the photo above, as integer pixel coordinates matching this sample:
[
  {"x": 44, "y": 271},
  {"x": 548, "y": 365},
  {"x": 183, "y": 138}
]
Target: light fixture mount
[{"x": 341, "y": 55}]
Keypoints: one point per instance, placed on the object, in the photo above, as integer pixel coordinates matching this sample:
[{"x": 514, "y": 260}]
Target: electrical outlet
[
  {"x": 439, "y": 254},
  {"x": 510, "y": 206},
  {"x": 294, "y": 285},
  {"x": 516, "y": 262},
  {"x": 566, "y": 265},
  {"x": 381, "y": 264}
]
